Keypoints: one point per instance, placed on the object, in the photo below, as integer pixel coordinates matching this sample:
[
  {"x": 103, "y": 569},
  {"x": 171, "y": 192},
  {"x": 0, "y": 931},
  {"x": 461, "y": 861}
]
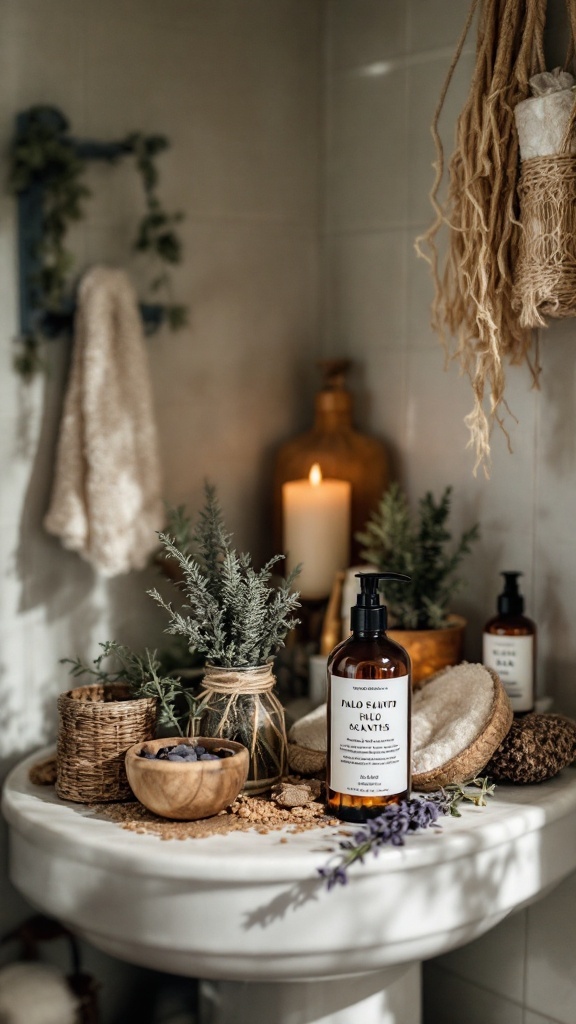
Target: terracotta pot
[{"x": 432, "y": 649}]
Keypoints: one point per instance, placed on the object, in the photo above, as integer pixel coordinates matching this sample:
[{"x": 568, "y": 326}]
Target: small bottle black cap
[{"x": 510, "y": 601}]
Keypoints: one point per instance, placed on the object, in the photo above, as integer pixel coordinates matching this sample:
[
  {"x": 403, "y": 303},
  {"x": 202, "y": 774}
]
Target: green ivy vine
[{"x": 43, "y": 154}]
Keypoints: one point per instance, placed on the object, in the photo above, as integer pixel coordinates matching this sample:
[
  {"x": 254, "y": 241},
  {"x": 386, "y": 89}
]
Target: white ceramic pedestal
[
  {"x": 249, "y": 911},
  {"x": 391, "y": 996}
]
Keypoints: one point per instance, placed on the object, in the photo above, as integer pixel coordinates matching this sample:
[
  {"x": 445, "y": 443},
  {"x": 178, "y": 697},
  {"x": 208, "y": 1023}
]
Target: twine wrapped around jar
[{"x": 239, "y": 704}]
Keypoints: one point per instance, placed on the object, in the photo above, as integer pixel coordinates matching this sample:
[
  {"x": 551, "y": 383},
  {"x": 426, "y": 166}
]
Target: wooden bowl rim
[{"x": 238, "y": 750}]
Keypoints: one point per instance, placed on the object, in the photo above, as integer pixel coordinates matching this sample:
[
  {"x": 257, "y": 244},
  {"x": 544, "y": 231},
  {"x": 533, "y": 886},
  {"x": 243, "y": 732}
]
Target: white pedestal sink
[{"x": 248, "y": 909}]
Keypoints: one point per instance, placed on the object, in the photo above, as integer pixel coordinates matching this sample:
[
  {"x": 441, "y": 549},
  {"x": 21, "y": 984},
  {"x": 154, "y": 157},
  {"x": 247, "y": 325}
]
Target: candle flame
[{"x": 315, "y": 475}]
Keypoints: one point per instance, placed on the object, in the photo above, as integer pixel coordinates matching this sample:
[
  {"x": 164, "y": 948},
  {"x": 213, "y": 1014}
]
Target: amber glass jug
[{"x": 342, "y": 453}]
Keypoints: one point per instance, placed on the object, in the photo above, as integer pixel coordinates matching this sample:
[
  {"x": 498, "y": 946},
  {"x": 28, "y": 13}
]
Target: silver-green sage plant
[{"x": 232, "y": 614}]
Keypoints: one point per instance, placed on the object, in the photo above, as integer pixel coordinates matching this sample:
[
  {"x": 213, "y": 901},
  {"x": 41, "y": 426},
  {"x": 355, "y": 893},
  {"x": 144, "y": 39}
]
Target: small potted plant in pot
[
  {"x": 98, "y": 722},
  {"x": 235, "y": 618},
  {"x": 419, "y": 546}
]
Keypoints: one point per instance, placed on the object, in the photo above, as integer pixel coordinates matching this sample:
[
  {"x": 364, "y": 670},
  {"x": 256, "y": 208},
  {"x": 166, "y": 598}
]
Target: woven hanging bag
[
  {"x": 97, "y": 724},
  {"x": 545, "y": 270}
]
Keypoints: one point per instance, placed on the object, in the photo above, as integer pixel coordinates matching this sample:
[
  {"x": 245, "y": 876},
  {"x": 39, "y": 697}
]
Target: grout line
[
  {"x": 535, "y": 510},
  {"x": 375, "y": 229},
  {"x": 525, "y": 963},
  {"x": 397, "y": 63},
  {"x": 324, "y": 134},
  {"x": 481, "y": 987}
]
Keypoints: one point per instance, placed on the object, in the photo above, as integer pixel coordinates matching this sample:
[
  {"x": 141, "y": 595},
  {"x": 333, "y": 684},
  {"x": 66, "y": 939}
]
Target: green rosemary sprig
[
  {"x": 475, "y": 791},
  {"x": 420, "y": 546},
  {"x": 142, "y": 674}
]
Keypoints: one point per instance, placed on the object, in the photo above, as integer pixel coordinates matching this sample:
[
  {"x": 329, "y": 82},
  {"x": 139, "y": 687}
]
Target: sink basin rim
[{"x": 509, "y": 816}]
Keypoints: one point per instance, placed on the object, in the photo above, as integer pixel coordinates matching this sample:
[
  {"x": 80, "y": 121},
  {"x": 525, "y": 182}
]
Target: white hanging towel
[{"x": 106, "y": 499}]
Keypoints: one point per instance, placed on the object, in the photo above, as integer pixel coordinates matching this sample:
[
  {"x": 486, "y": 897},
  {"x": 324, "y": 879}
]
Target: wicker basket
[{"x": 97, "y": 725}]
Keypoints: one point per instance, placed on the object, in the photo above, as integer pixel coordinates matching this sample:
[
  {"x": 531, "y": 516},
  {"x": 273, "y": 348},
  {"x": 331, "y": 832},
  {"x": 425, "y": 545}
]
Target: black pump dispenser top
[
  {"x": 368, "y": 615},
  {"x": 510, "y": 601}
]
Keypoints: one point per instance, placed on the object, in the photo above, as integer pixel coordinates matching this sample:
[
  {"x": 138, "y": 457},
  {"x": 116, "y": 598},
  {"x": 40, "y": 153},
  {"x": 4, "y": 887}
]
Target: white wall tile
[
  {"x": 537, "y": 1018},
  {"x": 237, "y": 95},
  {"x": 550, "y": 980},
  {"x": 555, "y": 503},
  {"x": 452, "y": 1000},
  {"x": 435, "y": 23},
  {"x": 425, "y": 82},
  {"x": 42, "y": 50},
  {"x": 366, "y": 182},
  {"x": 420, "y": 294},
  {"x": 367, "y": 289},
  {"x": 251, "y": 344},
  {"x": 359, "y": 36},
  {"x": 497, "y": 960},
  {"x": 379, "y": 386}
]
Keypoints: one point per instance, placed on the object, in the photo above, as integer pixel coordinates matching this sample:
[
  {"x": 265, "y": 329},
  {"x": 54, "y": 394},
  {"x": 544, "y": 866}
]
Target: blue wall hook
[{"x": 33, "y": 317}]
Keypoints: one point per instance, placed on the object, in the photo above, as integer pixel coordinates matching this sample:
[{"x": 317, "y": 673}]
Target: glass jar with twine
[{"x": 240, "y": 704}]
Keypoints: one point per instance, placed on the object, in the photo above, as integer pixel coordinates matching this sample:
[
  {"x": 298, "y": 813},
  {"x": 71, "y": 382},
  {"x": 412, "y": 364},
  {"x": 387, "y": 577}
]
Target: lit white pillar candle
[{"x": 316, "y": 516}]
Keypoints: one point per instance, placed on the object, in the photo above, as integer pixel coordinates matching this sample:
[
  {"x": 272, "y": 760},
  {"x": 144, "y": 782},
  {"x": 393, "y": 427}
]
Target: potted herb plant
[
  {"x": 238, "y": 621},
  {"x": 124, "y": 704},
  {"x": 420, "y": 546}
]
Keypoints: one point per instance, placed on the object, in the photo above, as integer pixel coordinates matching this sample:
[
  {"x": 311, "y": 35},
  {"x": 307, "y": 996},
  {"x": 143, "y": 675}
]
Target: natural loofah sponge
[
  {"x": 459, "y": 718},
  {"x": 536, "y": 748},
  {"x": 307, "y": 743}
]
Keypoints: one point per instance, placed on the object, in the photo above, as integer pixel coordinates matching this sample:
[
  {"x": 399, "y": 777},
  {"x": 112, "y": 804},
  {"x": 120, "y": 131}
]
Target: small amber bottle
[
  {"x": 369, "y": 701},
  {"x": 509, "y": 646}
]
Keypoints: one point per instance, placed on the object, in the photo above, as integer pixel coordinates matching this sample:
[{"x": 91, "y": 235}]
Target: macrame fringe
[{"x": 475, "y": 298}]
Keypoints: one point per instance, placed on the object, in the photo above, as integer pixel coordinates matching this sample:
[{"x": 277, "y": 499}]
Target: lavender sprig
[{"x": 396, "y": 821}]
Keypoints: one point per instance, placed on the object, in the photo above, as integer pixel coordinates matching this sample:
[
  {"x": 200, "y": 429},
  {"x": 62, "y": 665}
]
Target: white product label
[
  {"x": 512, "y": 658},
  {"x": 369, "y": 753}
]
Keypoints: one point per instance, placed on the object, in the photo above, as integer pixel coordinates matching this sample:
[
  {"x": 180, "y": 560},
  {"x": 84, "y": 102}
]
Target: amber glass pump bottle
[
  {"x": 369, "y": 701},
  {"x": 509, "y": 646}
]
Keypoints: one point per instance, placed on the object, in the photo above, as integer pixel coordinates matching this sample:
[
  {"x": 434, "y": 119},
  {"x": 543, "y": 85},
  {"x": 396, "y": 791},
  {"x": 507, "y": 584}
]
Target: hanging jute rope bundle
[
  {"x": 239, "y": 704},
  {"x": 475, "y": 302}
]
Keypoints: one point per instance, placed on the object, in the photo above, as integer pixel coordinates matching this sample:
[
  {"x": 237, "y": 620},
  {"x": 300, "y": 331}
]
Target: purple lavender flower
[
  {"x": 390, "y": 827},
  {"x": 397, "y": 820}
]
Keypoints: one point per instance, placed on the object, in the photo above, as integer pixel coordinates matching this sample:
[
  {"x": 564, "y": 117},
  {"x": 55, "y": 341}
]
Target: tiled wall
[
  {"x": 235, "y": 87},
  {"x": 386, "y": 61}
]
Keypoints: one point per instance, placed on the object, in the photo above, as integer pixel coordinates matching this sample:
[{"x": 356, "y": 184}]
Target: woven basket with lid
[{"x": 97, "y": 724}]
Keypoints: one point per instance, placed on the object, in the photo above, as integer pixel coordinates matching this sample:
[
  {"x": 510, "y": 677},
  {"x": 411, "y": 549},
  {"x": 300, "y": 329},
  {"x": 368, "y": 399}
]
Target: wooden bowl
[{"x": 189, "y": 790}]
